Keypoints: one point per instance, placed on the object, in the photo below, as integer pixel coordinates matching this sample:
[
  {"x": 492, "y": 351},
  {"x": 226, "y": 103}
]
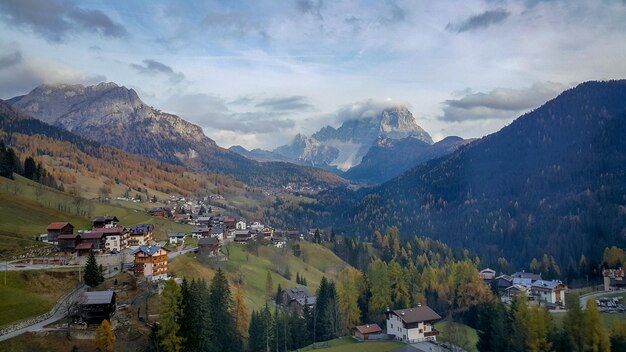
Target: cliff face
[{"x": 344, "y": 147}]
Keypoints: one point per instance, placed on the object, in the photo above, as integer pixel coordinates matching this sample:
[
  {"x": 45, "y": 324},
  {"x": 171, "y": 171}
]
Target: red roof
[
  {"x": 92, "y": 235},
  {"x": 57, "y": 225},
  {"x": 369, "y": 329},
  {"x": 108, "y": 231},
  {"x": 67, "y": 236},
  {"x": 230, "y": 220},
  {"x": 84, "y": 245}
]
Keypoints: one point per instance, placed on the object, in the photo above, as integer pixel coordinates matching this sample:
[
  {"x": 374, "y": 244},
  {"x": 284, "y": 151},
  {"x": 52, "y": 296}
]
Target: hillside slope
[{"x": 554, "y": 181}]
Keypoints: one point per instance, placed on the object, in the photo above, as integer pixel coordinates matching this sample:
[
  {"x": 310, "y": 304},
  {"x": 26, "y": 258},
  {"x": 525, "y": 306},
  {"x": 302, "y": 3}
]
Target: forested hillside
[{"x": 551, "y": 182}]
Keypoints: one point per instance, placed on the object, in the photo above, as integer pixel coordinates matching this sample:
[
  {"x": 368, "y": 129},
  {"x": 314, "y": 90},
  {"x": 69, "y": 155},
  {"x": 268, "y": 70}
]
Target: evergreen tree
[
  {"x": 105, "y": 340},
  {"x": 494, "y": 330},
  {"x": 30, "y": 168},
  {"x": 269, "y": 286},
  {"x": 225, "y": 335},
  {"x": 618, "y": 336},
  {"x": 93, "y": 276},
  {"x": 170, "y": 317},
  {"x": 279, "y": 295},
  {"x": 317, "y": 237}
]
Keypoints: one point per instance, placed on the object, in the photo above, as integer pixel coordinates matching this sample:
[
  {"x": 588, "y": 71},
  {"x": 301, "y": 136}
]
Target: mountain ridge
[{"x": 116, "y": 116}]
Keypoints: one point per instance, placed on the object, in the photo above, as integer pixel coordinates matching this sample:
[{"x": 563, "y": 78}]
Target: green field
[
  {"x": 33, "y": 292},
  {"x": 471, "y": 334},
  {"x": 317, "y": 261},
  {"x": 348, "y": 344}
]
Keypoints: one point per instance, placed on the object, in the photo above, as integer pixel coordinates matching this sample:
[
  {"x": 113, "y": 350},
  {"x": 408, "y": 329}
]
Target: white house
[
  {"x": 240, "y": 225},
  {"x": 413, "y": 324},
  {"x": 176, "y": 238},
  {"x": 552, "y": 292}
]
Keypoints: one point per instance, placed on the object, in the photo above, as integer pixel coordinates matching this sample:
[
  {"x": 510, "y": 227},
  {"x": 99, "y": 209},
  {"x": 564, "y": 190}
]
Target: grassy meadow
[
  {"x": 251, "y": 269},
  {"x": 33, "y": 292}
]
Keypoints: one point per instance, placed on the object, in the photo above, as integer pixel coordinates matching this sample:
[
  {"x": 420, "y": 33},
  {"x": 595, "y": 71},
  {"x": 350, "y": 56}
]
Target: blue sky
[{"x": 255, "y": 73}]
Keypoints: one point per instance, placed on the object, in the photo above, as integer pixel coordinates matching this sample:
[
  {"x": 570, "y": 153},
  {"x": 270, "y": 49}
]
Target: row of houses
[
  {"x": 549, "y": 292},
  {"x": 104, "y": 236}
]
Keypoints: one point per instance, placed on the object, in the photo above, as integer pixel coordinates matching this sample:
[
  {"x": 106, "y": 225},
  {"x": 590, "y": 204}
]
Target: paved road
[
  {"x": 585, "y": 298},
  {"x": 172, "y": 254}
]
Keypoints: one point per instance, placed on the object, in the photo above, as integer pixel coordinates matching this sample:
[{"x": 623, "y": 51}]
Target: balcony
[{"x": 434, "y": 332}]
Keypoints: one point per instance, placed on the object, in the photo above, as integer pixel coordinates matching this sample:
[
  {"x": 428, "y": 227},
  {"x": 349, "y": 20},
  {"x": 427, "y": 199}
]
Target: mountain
[
  {"x": 389, "y": 158},
  {"x": 344, "y": 147},
  {"x": 84, "y": 166},
  {"x": 115, "y": 115},
  {"x": 258, "y": 154},
  {"x": 552, "y": 182}
]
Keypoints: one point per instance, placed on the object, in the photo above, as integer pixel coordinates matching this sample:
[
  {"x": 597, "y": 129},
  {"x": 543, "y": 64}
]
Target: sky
[{"x": 256, "y": 73}]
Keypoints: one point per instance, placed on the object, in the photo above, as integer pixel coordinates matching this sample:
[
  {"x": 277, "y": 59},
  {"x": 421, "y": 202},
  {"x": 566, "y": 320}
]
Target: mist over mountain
[{"x": 344, "y": 147}]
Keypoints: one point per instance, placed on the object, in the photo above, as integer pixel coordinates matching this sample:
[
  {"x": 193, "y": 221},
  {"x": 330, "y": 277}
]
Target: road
[{"x": 111, "y": 260}]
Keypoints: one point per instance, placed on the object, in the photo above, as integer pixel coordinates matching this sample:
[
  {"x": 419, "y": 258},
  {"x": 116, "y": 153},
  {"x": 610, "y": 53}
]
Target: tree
[
  {"x": 269, "y": 286},
  {"x": 618, "y": 335},
  {"x": 494, "y": 327},
  {"x": 278, "y": 299},
  {"x": 224, "y": 336},
  {"x": 170, "y": 316},
  {"x": 596, "y": 338},
  {"x": 105, "y": 340},
  {"x": 456, "y": 335},
  {"x": 380, "y": 287},
  {"x": 347, "y": 297},
  {"x": 30, "y": 168},
  {"x": 613, "y": 257},
  {"x": 93, "y": 276},
  {"x": 573, "y": 325},
  {"x": 240, "y": 312}
]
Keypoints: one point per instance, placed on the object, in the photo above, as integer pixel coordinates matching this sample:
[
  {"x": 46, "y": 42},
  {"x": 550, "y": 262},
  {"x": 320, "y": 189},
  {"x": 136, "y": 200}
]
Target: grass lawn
[
  {"x": 348, "y": 344},
  {"x": 472, "y": 335},
  {"x": 33, "y": 292},
  {"x": 49, "y": 342},
  {"x": 251, "y": 269}
]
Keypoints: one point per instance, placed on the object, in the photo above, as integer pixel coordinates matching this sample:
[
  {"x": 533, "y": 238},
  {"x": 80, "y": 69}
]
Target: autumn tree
[
  {"x": 170, "y": 316},
  {"x": 105, "y": 340},
  {"x": 269, "y": 286},
  {"x": 347, "y": 296},
  {"x": 595, "y": 338},
  {"x": 240, "y": 312},
  {"x": 613, "y": 257}
]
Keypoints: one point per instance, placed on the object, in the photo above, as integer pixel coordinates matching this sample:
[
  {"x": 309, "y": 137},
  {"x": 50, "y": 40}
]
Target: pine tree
[
  {"x": 225, "y": 335},
  {"x": 105, "y": 340},
  {"x": 573, "y": 325},
  {"x": 93, "y": 276},
  {"x": 269, "y": 286},
  {"x": 170, "y": 317},
  {"x": 30, "y": 168},
  {"x": 494, "y": 329},
  {"x": 279, "y": 296}
]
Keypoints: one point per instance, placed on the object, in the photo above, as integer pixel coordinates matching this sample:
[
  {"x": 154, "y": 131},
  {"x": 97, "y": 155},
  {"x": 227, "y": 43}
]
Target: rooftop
[
  {"x": 416, "y": 314},
  {"x": 149, "y": 250},
  {"x": 57, "y": 225},
  {"x": 369, "y": 328},
  {"x": 97, "y": 297}
]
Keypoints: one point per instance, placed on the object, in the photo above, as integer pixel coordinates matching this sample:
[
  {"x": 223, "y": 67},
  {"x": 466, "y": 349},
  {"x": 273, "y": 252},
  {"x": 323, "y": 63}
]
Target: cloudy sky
[{"x": 255, "y": 73}]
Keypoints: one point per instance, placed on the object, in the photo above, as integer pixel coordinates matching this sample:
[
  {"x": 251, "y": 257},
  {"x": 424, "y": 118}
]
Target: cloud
[
  {"x": 55, "y": 19},
  {"x": 212, "y": 113},
  {"x": 500, "y": 103},
  {"x": 482, "y": 20},
  {"x": 234, "y": 26},
  {"x": 11, "y": 59},
  {"x": 153, "y": 67},
  {"x": 312, "y": 7},
  {"x": 295, "y": 102},
  {"x": 25, "y": 76},
  {"x": 366, "y": 109}
]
